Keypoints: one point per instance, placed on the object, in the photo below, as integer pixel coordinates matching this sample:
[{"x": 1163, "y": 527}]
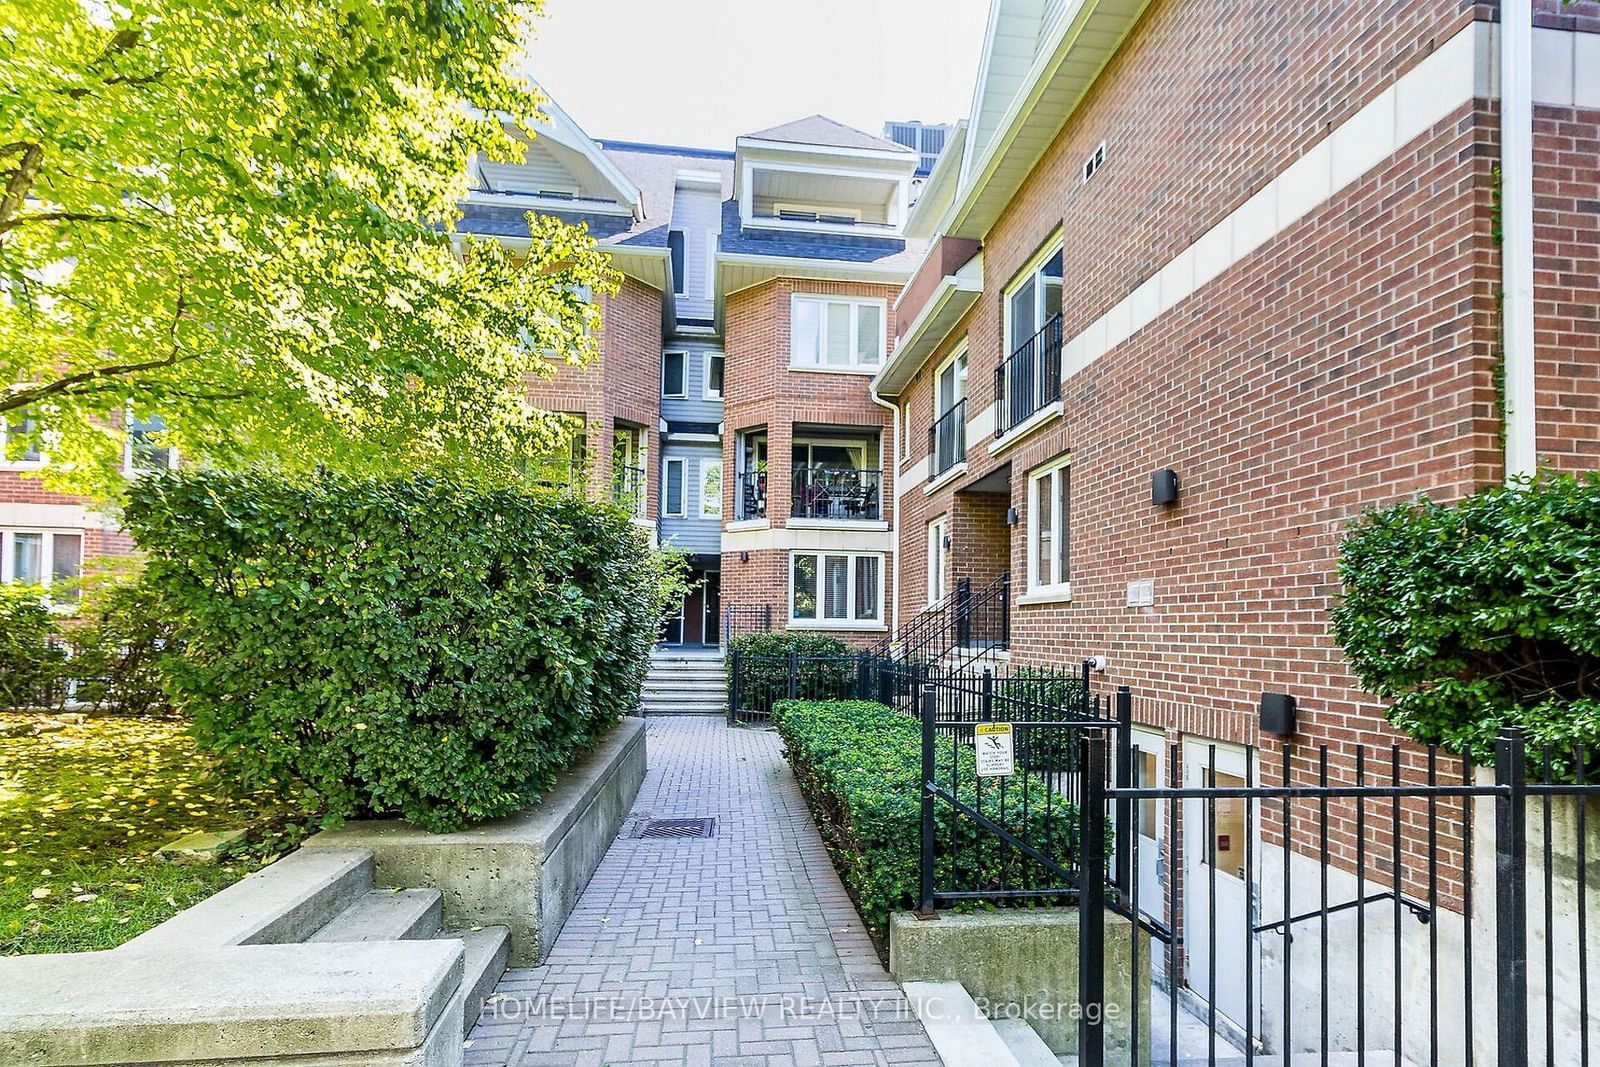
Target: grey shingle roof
[{"x": 821, "y": 130}]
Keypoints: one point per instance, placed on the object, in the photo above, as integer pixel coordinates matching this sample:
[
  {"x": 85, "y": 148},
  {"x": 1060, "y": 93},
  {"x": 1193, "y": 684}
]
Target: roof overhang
[
  {"x": 739, "y": 271},
  {"x": 1075, "y": 50},
  {"x": 643, "y": 263},
  {"x": 952, "y": 298}
]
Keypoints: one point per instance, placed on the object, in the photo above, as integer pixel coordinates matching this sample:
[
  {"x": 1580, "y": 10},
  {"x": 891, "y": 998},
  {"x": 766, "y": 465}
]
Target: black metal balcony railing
[
  {"x": 947, "y": 440},
  {"x": 836, "y": 493},
  {"x": 628, "y": 489},
  {"x": 1030, "y": 379},
  {"x": 753, "y": 495}
]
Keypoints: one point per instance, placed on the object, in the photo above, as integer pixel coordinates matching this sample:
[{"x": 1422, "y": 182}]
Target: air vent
[
  {"x": 1096, "y": 160},
  {"x": 677, "y": 829}
]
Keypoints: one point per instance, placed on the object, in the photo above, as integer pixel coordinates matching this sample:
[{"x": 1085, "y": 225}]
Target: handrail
[
  {"x": 1030, "y": 378},
  {"x": 947, "y": 440},
  {"x": 836, "y": 493}
]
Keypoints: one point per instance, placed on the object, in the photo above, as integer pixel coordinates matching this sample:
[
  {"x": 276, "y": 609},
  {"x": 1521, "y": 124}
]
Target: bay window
[{"x": 836, "y": 589}]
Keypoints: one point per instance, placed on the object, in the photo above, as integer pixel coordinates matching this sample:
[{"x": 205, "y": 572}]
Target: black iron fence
[
  {"x": 972, "y": 621},
  {"x": 1030, "y": 378},
  {"x": 757, "y": 683},
  {"x": 837, "y": 493},
  {"x": 1420, "y": 913},
  {"x": 752, "y": 495},
  {"x": 740, "y": 619},
  {"x": 947, "y": 440}
]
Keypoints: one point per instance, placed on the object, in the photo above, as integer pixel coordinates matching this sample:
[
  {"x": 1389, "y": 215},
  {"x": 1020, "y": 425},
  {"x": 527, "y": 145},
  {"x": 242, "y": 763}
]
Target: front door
[
  {"x": 1217, "y": 903},
  {"x": 1149, "y": 816},
  {"x": 713, "y": 608}
]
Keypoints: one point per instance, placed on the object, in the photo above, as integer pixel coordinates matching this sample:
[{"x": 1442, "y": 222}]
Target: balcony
[
  {"x": 628, "y": 489},
  {"x": 752, "y": 495},
  {"x": 1030, "y": 380},
  {"x": 947, "y": 440},
  {"x": 843, "y": 493}
]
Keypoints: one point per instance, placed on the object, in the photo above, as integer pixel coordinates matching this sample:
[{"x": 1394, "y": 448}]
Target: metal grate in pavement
[{"x": 677, "y": 829}]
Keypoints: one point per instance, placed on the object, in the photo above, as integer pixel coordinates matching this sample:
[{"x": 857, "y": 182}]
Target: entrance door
[
  {"x": 1217, "y": 895},
  {"x": 1149, "y": 772},
  {"x": 713, "y": 608}
]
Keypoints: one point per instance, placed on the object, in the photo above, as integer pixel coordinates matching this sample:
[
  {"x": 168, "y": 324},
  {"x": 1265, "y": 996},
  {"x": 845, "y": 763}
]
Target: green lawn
[{"x": 83, "y": 804}]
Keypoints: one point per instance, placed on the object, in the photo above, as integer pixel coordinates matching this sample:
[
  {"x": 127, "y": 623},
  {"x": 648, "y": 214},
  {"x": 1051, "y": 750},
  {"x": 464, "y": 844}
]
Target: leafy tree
[{"x": 236, "y": 216}]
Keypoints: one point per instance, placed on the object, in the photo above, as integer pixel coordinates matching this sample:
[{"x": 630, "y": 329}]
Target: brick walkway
[{"x": 741, "y": 951}]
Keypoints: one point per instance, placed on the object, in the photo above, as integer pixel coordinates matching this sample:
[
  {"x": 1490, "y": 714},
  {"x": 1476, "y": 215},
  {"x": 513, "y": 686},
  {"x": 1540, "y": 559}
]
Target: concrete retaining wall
[
  {"x": 1023, "y": 963},
  {"x": 525, "y": 871}
]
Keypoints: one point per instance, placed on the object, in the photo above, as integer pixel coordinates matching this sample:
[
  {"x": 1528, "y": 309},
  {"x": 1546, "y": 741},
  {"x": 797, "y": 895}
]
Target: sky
[{"x": 701, "y": 72}]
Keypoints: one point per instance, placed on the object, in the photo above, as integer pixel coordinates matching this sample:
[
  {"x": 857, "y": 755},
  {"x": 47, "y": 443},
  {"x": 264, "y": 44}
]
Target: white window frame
[
  {"x": 128, "y": 468},
  {"x": 819, "y": 621},
  {"x": 854, "y": 303},
  {"x": 684, "y": 395},
  {"x": 47, "y": 551},
  {"x": 708, "y": 357},
  {"x": 1035, "y": 264},
  {"x": 958, "y": 355},
  {"x": 709, "y": 501},
  {"x": 666, "y": 484},
  {"x": 17, "y": 464},
  {"x": 1056, "y": 582},
  {"x": 938, "y": 530}
]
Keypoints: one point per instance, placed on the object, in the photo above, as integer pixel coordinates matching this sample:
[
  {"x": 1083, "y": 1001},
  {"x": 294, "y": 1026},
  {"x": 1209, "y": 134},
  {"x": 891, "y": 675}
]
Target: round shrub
[
  {"x": 415, "y": 647},
  {"x": 1481, "y": 614}
]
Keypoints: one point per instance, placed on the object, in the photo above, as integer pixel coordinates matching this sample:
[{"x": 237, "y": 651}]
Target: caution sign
[{"x": 996, "y": 757}]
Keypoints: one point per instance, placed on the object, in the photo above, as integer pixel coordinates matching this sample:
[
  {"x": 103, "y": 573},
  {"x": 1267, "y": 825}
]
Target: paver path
[{"x": 741, "y": 949}]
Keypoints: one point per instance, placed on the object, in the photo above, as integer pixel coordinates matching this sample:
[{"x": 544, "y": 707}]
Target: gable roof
[{"x": 821, "y": 130}]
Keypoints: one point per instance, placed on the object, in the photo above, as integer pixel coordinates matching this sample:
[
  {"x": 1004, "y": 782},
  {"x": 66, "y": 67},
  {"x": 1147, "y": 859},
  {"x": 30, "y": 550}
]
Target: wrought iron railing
[
  {"x": 973, "y": 621},
  {"x": 836, "y": 493},
  {"x": 741, "y": 619},
  {"x": 1030, "y": 379},
  {"x": 753, "y": 495},
  {"x": 947, "y": 440},
  {"x": 628, "y": 489}
]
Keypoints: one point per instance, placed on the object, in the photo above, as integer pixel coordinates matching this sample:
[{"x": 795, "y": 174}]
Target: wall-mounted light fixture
[
  {"x": 947, "y": 541},
  {"x": 1277, "y": 714},
  {"x": 744, "y": 557},
  {"x": 1012, "y": 518},
  {"x": 1164, "y": 487}
]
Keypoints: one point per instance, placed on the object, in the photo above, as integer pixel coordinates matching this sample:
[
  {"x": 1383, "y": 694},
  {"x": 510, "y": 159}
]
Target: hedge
[
  {"x": 859, "y": 765},
  {"x": 828, "y": 666},
  {"x": 31, "y": 659},
  {"x": 413, "y": 647},
  {"x": 1481, "y": 614}
]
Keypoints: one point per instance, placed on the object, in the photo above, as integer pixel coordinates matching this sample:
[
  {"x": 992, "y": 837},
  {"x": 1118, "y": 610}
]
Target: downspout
[
  {"x": 1516, "y": 250},
  {"x": 894, "y": 471}
]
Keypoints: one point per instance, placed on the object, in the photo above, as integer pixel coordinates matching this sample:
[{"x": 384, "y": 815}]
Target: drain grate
[{"x": 677, "y": 829}]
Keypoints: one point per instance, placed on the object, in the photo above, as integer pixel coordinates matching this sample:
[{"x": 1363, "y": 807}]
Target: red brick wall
[
  {"x": 1566, "y": 257},
  {"x": 762, "y": 391}
]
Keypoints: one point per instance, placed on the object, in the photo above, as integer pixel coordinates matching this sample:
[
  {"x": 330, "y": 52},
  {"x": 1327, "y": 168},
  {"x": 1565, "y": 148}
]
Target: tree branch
[
  {"x": 8, "y": 225},
  {"x": 22, "y": 176}
]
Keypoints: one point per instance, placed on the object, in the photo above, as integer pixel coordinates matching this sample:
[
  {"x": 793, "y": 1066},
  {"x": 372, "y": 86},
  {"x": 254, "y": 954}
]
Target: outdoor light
[
  {"x": 1164, "y": 487},
  {"x": 1011, "y": 516},
  {"x": 1277, "y": 714},
  {"x": 947, "y": 540},
  {"x": 744, "y": 557}
]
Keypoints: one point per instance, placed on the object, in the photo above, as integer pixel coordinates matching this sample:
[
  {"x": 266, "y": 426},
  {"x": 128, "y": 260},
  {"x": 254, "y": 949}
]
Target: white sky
[{"x": 701, "y": 72}]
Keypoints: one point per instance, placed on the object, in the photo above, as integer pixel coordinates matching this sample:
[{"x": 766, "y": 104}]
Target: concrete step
[
  {"x": 710, "y": 700},
  {"x": 280, "y": 904},
  {"x": 959, "y": 1031},
  {"x": 387, "y": 915},
  {"x": 714, "y": 680},
  {"x": 1025, "y": 1044},
  {"x": 487, "y": 951}
]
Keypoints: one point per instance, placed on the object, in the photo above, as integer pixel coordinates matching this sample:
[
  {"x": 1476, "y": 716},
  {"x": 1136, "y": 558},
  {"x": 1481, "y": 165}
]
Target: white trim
[
  {"x": 47, "y": 551},
  {"x": 804, "y": 267},
  {"x": 684, "y": 377},
  {"x": 821, "y": 538},
  {"x": 1054, "y": 244},
  {"x": 707, "y": 357},
  {"x": 867, "y": 525},
  {"x": 576, "y": 204},
  {"x": 666, "y": 482},
  {"x": 854, "y": 303},
  {"x": 18, "y": 464},
  {"x": 801, "y": 147},
  {"x": 944, "y": 479},
  {"x": 1059, "y": 581},
  {"x": 706, "y": 466},
  {"x": 1060, "y": 595},
  {"x": 802, "y": 368},
  {"x": 851, "y": 622},
  {"x": 1517, "y": 59},
  {"x": 693, "y": 438},
  {"x": 937, "y": 556},
  {"x": 1026, "y": 428},
  {"x": 743, "y": 525}
]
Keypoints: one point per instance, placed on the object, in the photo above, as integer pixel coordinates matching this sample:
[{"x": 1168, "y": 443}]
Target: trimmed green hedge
[
  {"x": 859, "y": 765},
  {"x": 828, "y": 667},
  {"x": 31, "y": 662},
  {"x": 1481, "y": 613},
  {"x": 414, "y": 647}
]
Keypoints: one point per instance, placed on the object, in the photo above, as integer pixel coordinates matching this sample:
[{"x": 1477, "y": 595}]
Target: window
[
  {"x": 711, "y": 489},
  {"x": 1033, "y": 300},
  {"x": 672, "y": 376},
  {"x": 836, "y": 333},
  {"x": 938, "y": 530},
  {"x": 674, "y": 488},
  {"x": 836, "y": 589},
  {"x": 714, "y": 363},
  {"x": 40, "y": 557},
  {"x": 144, "y": 453},
  {"x": 953, "y": 382},
  {"x": 1048, "y": 529},
  {"x": 16, "y": 450},
  {"x": 949, "y": 438},
  {"x": 675, "y": 247}
]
